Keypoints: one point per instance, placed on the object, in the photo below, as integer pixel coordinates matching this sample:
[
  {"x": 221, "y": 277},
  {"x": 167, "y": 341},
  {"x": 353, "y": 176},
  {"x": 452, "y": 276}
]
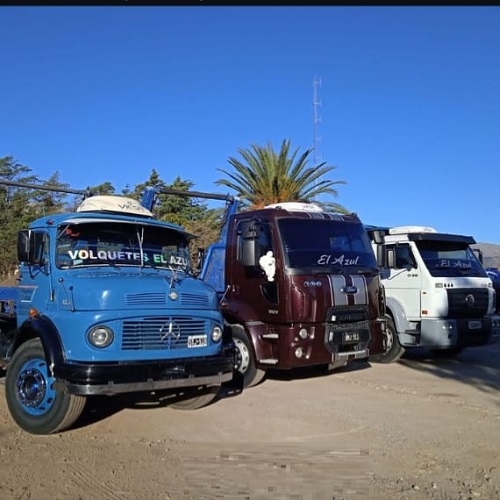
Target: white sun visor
[{"x": 111, "y": 203}]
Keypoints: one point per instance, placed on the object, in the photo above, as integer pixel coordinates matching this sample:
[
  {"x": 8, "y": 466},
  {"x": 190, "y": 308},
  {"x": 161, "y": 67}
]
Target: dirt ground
[{"x": 418, "y": 429}]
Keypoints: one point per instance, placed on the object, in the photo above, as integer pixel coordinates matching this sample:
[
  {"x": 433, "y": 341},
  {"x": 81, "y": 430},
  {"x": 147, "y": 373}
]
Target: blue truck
[{"x": 106, "y": 303}]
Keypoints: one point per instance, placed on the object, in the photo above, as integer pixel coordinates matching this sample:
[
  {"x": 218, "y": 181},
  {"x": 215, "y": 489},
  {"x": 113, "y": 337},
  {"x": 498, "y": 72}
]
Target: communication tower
[{"x": 316, "y": 119}]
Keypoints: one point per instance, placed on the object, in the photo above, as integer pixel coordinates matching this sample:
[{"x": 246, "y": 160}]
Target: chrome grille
[
  {"x": 160, "y": 332},
  {"x": 345, "y": 327},
  {"x": 347, "y": 314}
]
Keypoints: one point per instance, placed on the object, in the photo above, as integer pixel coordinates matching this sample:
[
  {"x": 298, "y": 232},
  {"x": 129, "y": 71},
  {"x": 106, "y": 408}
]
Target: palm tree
[{"x": 265, "y": 177}]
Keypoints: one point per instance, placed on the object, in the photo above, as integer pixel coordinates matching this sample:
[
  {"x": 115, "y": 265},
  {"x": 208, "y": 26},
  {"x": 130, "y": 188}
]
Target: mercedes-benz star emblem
[{"x": 170, "y": 331}]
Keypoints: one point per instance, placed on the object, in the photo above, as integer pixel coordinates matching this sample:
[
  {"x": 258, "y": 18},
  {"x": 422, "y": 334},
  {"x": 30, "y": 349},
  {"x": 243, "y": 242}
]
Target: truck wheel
[
  {"x": 245, "y": 360},
  {"x": 392, "y": 348},
  {"x": 32, "y": 400},
  {"x": 196, "y": 397}
]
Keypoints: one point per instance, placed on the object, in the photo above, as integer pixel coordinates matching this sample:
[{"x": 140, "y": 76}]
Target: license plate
[
  {"x": 197, "y": 341},
  {"x": 474, "y": 325},
  {"x": 351, "y": 337}
]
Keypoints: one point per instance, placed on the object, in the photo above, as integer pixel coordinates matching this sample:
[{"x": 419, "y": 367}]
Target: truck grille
[
  {"x": 461, "y": 305},
  {"x": 347, "y": 314},
  {"x": 344, "y": 327},
  {"x": 160, "y": 332}
]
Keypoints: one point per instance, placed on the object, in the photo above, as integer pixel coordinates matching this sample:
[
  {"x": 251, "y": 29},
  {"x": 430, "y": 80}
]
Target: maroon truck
[{"x": 298, "y": 286}]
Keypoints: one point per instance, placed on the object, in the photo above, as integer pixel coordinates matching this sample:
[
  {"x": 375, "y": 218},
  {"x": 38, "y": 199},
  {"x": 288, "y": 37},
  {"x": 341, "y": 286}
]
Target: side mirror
[
  {"x": 23, "y": 246},
  {"x": 479, "y": 254},
  {"x": 390, "y": 258},
  {"x": 377, "y": 236},
  {"x": 30, "y": 247},
  {"x": 248, "y": 246},
  {"x": 381, "y": 256},
  {"x": 200, "y": 258}
]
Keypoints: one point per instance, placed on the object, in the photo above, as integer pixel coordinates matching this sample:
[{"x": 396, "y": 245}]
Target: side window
[
  {"x": 255, "y": 235},
  {"x": 41, "y": 248},
  {"x": 264, "y": 239},
  {"x": 404, "y": 257}
]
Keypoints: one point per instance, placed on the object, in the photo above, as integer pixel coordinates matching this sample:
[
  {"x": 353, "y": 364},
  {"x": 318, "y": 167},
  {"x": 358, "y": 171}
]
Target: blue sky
[{"x": 409, "y": 110}]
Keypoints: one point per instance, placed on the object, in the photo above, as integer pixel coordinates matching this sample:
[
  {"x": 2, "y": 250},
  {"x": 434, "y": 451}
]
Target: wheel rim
[
  {"x": 242, "y": 356},
  {"x": 389, "y": 339},
  {"x": 34, "y": 388}
]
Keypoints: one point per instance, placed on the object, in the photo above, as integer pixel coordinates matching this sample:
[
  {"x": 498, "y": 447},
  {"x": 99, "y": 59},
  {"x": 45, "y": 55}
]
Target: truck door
[
  {"x": 35, "y": 278},
  {"x": 250, "y": 283},
  {"x": 404, "y": 280}
]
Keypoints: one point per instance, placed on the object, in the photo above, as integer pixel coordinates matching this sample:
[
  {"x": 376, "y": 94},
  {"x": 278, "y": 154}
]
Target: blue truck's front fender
[{"x": 43, "y": 328}]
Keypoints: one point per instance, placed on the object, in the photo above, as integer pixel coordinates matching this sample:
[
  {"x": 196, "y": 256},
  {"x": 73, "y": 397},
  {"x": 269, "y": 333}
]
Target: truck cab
[
  {"x": 438, "y": 294},
  {"x": 299, "y": 287}
]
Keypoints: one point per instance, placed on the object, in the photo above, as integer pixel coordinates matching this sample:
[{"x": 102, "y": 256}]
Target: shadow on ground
[
  {"x": 475, "y": 366},
  {"x": 315, "y": 371},
  {"x": 100, "y": 408}
]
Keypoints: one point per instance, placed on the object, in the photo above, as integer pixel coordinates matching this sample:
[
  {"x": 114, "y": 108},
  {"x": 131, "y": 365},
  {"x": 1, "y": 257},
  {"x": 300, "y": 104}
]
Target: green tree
[
  {"x": 104, "y": 188},
  {"x": 46, "y": 202},
  {"x": 17, "y": 207},
  {"x": 181, "y": 210},
  {"x": 185, "y": 211},
  {"x": 264, "y": 176}
]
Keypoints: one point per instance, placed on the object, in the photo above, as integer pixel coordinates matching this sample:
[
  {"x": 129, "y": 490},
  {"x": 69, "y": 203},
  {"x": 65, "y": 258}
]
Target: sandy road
[{"x": 418, "y": 429}]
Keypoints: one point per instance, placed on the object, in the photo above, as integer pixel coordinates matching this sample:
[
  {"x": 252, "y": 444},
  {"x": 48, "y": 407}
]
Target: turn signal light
[{"x": 33, "y": 313}]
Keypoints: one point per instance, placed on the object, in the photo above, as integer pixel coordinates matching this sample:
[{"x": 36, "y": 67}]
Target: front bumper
[{"x": 89, "y": 379}]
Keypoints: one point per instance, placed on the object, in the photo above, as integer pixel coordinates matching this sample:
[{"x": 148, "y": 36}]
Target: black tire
[
  {"x": 392, "y": 348},
  {"x": 245, "y": 359},
  {"x": 32, "y": 400},
  {"x": 194, "y": 398}
]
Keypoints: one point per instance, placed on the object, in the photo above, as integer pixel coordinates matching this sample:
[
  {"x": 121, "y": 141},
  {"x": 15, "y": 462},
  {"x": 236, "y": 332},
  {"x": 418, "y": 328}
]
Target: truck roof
[
  {"x": 300, "y": 211},
  {"x": 88, "y": 217},
  {"x": 400, "y": 229},
  {"x": 418, "y": 233},
  {"x": 113, "y": 204},
  {"x": 456, "y": 238},
  {"x": 411, "y": 229}
]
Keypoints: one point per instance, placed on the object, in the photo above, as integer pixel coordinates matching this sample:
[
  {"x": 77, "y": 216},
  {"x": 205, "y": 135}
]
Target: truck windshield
[
  {"x": 325, "y": 244},
  {"x": 121, "y": 244},
  {"x": 448, "y": 259}
]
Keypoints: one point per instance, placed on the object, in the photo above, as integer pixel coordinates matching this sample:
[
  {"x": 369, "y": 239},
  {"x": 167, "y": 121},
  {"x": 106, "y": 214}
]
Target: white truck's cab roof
[{"x": 411, "y": 229}]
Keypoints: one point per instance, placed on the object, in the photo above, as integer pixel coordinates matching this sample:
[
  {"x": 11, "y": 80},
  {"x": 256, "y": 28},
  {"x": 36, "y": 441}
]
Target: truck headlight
[
  {"x": 303, "y": 333},
  {"x": 100, "y": 336},
  {"x": 216, "y": 333}
]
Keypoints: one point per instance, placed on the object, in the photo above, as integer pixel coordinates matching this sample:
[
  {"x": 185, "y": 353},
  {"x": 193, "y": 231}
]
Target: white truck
[{"x": 438, "y": 294}]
